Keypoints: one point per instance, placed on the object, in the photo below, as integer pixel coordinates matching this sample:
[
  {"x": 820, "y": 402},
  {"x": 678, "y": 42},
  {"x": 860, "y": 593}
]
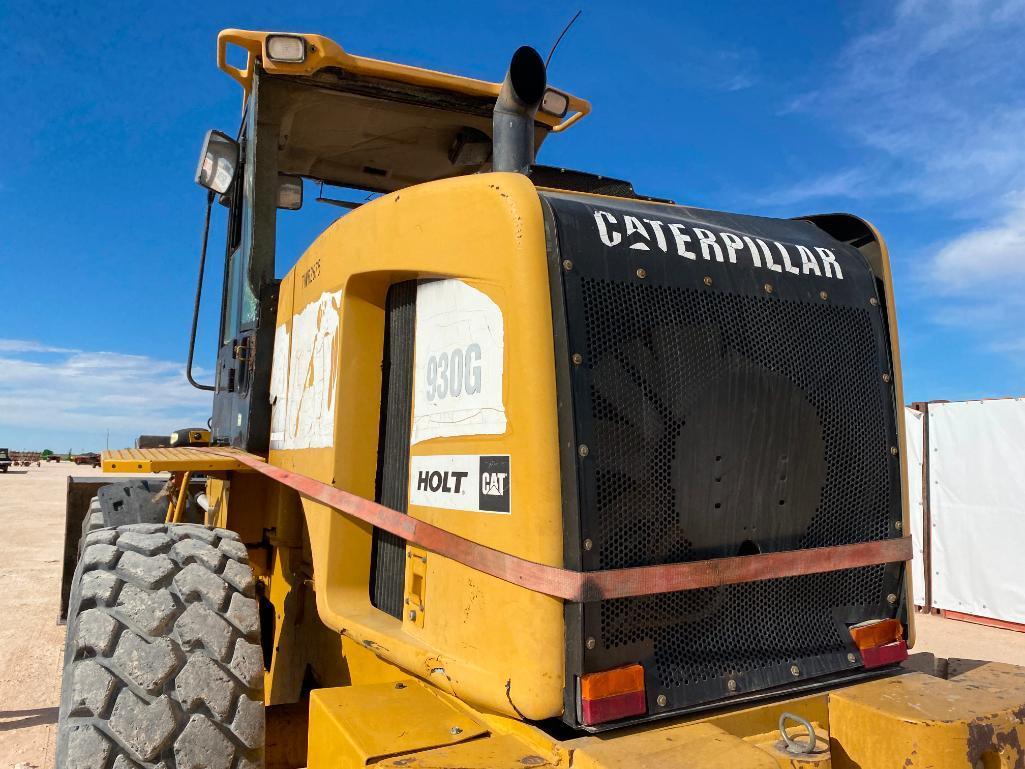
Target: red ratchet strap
[{"x": 585, "y": 586}]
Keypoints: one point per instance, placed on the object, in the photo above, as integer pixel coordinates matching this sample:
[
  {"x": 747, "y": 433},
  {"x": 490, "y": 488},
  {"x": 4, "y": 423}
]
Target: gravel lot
[
  {"x": 32, "y": 515},
  {"x": 31, "y": 641}
]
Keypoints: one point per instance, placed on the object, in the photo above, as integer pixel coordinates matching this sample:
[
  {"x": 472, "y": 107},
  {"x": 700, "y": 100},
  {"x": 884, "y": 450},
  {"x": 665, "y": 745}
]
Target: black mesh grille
[
  {"x": 703, "y": 636},
  {"x": 725, "y": 424},
  {"x": 717, "y": 403},
  {"x": 657, "y": 352}
]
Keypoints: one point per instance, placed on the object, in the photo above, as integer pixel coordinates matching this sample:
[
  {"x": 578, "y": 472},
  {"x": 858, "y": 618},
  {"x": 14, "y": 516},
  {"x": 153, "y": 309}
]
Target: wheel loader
[{"x": 514, "y": 467}]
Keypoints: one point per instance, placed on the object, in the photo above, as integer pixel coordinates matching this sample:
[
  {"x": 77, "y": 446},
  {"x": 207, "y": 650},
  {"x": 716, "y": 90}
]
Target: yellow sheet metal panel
[
  {"x": 365, "y": 667},
  {"x": 997, "y": 678},
  {"x": 253, "y": 508},
  {"x": 169, "y": 460},
  {"x": 701, "y": 745},
  {"x": 494, "y": 752},
  {"x": 217, "y": 490},
  {"x": 916, "y": 720},
  {"x": 973, "y": 720},
  {"x": 495, "y": 645},
  {"x": 773, "y": 745},
  {"x": 763, "y": 718},
  {"x": 352, "y": 726}
]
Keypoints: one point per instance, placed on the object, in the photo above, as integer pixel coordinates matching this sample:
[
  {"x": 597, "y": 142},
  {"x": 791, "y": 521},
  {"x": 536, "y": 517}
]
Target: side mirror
[
  {"x": 217, "y": 162},
  {"x": 290, "y": 192}
]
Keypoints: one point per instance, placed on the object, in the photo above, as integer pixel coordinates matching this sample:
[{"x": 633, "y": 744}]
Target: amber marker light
[
  {"x": 881, "y": 642},
  {"x": 612, "y": 694}
]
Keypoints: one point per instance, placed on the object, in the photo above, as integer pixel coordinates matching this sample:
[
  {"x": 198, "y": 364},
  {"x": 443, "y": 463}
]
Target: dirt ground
[{"x": 31, "y": 643}]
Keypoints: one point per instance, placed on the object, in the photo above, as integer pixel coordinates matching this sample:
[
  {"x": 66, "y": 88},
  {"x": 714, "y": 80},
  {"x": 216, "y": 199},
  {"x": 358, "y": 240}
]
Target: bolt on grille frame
[{"x": 711, "y": 409}]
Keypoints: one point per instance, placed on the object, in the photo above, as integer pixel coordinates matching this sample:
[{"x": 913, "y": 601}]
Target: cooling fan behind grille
[{"x": 728, "y": 463}]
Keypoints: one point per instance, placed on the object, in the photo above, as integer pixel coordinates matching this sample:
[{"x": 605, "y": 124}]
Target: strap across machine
[{"x": 581, "y": 586}]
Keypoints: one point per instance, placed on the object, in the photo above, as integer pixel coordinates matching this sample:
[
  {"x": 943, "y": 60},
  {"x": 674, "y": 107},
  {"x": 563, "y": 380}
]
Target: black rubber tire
[
  {"x": 94, "y": 519},
  {"x": 162, "y": 664}
]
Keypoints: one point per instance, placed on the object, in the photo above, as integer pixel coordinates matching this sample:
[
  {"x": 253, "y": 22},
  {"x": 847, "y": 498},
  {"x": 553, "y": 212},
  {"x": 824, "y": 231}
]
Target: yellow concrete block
[
  {"x": 351, "y": 726},
  {"x": 916, "y": 720}
]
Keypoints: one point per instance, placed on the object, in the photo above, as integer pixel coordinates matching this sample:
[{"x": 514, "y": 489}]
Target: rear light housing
[
  {"x": 555, "y": 103},
  {"x": 881, "y": 642},
  {"x": 612, "y": 694},
  {"x": 887, "y": 654}
]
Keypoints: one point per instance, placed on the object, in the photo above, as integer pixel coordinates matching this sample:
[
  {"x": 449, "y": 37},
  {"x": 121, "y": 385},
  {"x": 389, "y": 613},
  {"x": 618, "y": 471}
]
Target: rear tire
[
  {"x": 162, "y": 664},
  {"x": 94, "y": 519}
]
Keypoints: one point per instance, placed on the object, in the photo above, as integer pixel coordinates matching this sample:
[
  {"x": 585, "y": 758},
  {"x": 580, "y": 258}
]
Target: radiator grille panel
[
  {"x": 656, "y": 353},
  {"x": 388, "y": 552},
  {"x": 725, "y": 424},
  {"x": 716, "y": 403},
  {"x": 695, "y": 634}
]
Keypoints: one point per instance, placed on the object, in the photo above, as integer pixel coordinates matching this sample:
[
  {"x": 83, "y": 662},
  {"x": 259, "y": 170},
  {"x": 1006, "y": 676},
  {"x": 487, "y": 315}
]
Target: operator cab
[{"x": 313, "y": 111}]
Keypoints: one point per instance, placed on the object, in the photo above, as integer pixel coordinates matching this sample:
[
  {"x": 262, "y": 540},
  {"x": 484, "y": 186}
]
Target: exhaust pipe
[{"x": 513, "y": 120}]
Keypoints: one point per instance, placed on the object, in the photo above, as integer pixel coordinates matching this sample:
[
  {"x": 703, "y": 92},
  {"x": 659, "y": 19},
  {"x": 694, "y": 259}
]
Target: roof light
[
  {"x": 286, "y": 48},
  {"x": 555, "y": 103},
  {"x": 612, "y": 694}
]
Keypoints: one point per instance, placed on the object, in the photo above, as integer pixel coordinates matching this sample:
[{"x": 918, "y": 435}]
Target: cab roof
[{"x": 371, "y": 124}]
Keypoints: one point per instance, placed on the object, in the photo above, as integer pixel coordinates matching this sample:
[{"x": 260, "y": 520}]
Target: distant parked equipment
[{"x": 26, "y": 458}]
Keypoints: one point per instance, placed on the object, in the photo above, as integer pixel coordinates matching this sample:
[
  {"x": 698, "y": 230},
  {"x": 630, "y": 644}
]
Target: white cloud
[
  {"x": 982, "y": 257},
  {"x": 76, "y": 392},
  {"x": 727, "y": 69},
  {"x": 934, "y": 100},
  {"x": 25, "y": 345},
  {"x": 1015, "y": 347},
  {"x": 849, "y": 183}
]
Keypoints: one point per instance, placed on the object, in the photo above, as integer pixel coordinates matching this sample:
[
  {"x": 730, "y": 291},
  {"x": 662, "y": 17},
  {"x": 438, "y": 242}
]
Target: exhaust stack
[{"x": 513, "y": 121}]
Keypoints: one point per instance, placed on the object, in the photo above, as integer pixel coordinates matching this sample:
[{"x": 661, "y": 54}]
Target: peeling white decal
[
  {"x": 303, "y": 399},
  {"x": 460, "y": 344},
  {"x": 278, "y": 387}
]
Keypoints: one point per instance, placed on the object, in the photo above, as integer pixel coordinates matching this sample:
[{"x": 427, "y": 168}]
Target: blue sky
[{"x": 910, "y": 114}]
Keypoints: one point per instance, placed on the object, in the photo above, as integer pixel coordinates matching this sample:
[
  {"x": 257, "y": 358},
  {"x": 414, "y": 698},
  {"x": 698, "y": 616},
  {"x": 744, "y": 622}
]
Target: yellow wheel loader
[{"x": 514, "y": 467}]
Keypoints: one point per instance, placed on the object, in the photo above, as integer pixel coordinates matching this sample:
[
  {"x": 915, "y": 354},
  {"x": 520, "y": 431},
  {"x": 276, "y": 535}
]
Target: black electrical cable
[
  {"x": 199, "y": 294},
  {"x": 559, "y": 38}
]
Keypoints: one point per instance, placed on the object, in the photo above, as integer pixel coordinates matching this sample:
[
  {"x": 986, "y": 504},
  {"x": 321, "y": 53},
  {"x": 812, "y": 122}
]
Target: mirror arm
[{"x": 199, "y": 294}]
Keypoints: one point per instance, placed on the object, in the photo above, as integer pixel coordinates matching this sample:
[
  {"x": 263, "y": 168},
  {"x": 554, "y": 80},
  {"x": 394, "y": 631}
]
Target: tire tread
[{"x": 162, "y": 662}]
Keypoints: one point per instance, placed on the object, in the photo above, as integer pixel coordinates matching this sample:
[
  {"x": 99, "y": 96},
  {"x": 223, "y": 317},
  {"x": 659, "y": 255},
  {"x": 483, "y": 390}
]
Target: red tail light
[
  {"x": 887, "y": 654},
  {"x": 612, "y": 694},
  {"x": 881, "y": 642}
]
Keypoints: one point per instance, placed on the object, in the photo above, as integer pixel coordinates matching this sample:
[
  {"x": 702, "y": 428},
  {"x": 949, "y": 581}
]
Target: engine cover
[{"x": 725, "y": 387}]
